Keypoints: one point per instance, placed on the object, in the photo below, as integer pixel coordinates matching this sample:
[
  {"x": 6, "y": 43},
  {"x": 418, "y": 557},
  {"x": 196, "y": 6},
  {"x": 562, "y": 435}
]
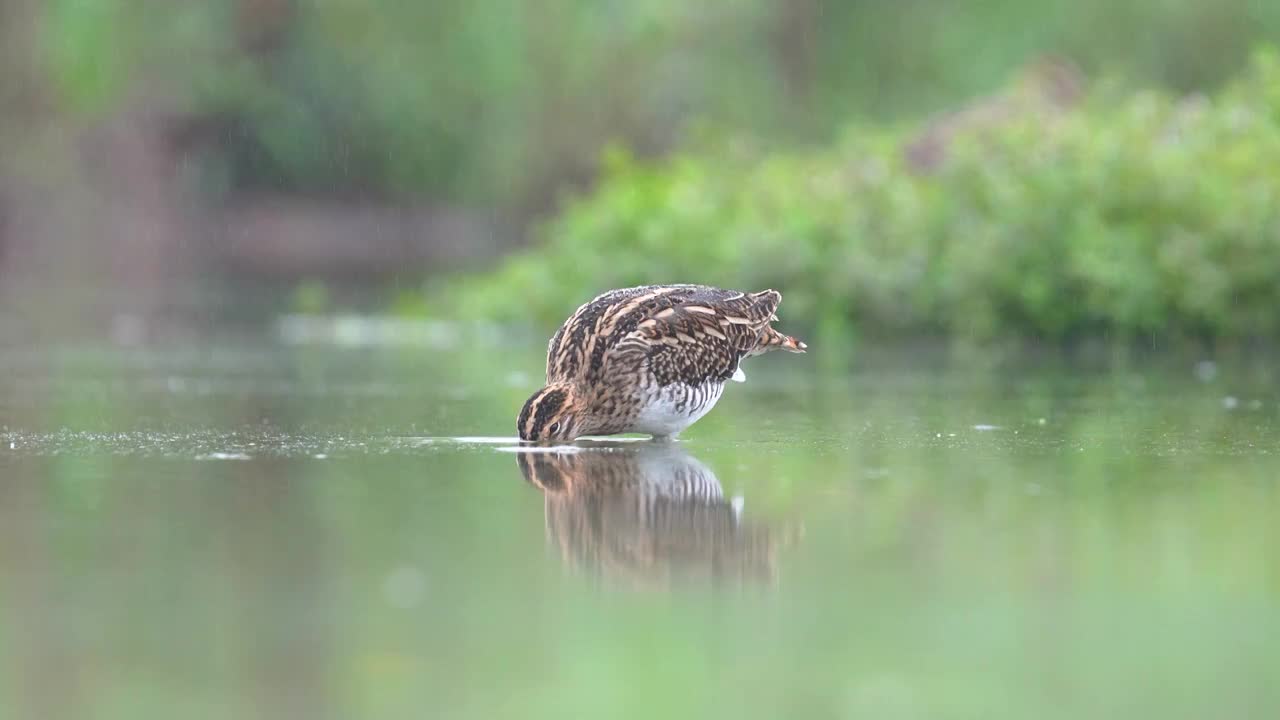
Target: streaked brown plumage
[{"x": 649, "y": 359}]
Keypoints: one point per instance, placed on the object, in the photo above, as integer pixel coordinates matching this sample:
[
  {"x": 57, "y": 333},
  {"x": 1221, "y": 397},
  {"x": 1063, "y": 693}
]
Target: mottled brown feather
[
  {"x": 576, "y": 352},
  {"x": 616, "y": 353},
  {"x": 699, "y": 334}
]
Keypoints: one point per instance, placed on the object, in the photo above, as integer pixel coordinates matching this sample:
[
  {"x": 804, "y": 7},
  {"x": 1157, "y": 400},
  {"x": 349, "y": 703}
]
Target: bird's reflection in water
[{"x": 647, "y": 516}]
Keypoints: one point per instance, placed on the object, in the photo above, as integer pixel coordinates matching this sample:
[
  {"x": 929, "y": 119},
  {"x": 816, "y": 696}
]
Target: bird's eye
[{"x": 553, "y": 428}]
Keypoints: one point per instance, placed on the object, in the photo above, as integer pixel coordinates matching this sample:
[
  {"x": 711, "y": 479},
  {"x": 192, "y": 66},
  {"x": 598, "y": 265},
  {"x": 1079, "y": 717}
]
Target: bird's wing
[
  {"x": 579, "y": 348},
  {"x": 570, "y": 349},
  {"x": 695, "y": 337}
]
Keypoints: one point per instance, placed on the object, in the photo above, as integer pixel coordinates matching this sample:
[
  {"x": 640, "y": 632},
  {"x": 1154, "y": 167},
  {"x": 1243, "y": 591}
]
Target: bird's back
[{"x": 690, "y": 316}]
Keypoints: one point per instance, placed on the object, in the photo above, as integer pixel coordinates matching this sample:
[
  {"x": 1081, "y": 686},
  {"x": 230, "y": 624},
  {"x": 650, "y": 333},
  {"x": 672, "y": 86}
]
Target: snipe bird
[{"x": 650, "y": 359}]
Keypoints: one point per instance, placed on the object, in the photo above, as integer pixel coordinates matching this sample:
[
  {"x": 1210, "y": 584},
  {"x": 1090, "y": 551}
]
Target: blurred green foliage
[
  {"x": 1130, "y": 214},
  {"x": 501, "y": 102}
]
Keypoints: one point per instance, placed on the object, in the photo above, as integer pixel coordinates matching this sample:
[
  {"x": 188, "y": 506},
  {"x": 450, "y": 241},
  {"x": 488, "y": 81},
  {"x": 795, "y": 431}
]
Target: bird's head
[{"x": 553, "y": 414}]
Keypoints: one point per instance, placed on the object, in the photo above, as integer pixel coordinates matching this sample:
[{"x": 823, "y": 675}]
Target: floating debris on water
[
  {"x": 1230, "y": 402},
  {"x": 985, "y": 428}
]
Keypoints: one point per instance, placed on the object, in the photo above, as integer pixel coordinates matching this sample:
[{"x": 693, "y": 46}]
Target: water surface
[{"x": 252, "y": 528}]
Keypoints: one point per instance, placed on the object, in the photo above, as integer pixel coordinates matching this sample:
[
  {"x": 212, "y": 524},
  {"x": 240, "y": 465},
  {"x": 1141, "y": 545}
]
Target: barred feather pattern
[{"x": 655, "y": 358}]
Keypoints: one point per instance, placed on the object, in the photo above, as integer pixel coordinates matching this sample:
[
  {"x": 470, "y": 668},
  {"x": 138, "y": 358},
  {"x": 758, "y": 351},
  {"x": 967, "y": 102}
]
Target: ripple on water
[
  {"x": 253, "y": 443},
  {"x": 224, "y": 456},
  {"x": 514, "y": 444},
  {"x": 203, "y": 445},
  {"x": 554, "y": 449},
  {"x": 466, "y": 440}
]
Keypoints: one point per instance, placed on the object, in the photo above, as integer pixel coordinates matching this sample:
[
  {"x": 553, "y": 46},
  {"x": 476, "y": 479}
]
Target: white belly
[{"x": 675, "y": 407}]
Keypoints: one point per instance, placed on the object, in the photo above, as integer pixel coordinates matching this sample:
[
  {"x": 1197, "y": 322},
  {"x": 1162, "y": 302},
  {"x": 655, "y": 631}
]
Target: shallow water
[{"x": 247, "y": 528}]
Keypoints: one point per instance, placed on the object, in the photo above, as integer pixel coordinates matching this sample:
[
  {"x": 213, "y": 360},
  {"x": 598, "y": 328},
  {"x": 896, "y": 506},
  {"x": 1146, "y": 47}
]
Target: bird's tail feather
[{"x": 774, "y": 340}]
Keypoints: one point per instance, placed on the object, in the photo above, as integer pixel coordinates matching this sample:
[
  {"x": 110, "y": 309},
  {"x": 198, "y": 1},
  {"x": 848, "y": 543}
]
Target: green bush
[{"x": 1127, "y": 217}]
